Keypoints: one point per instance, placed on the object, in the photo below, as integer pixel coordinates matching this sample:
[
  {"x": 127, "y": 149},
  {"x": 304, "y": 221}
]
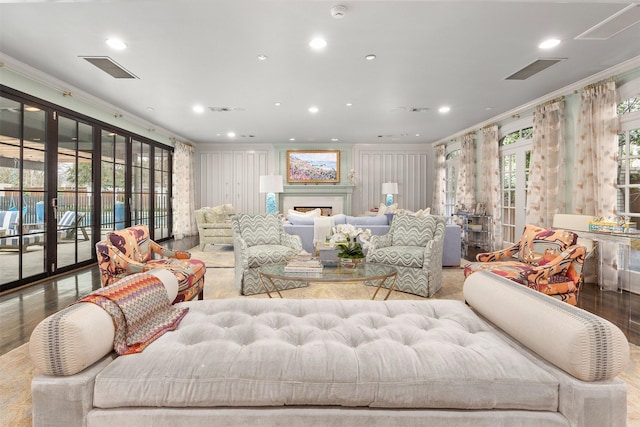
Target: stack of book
[{"x": 303, "y": 266}]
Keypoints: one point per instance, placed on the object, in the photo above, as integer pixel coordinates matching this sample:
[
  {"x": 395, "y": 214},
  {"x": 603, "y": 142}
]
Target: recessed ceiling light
[
  {"x": 370, "y": 57},
  {"x": 548, "y": 44},
  {"x": 313, "y": 110},
  {"x": 262, "y": 57},
  {"x": 292, "y": 139},
  {"x": 116, "y": 44},
  {"x": 150, "y": 108},
  {"x": 417, "y": 134},
  {"x": 231, "y": 134},
  {"x": 198, "y": 109},
  {"x": 444, "y": 109},
  {"x": 277, "y": 104},
  {"x": 334, "y": 139},
  {"x": 318, "y": 43},
  {"x": 349, "y": 104}
]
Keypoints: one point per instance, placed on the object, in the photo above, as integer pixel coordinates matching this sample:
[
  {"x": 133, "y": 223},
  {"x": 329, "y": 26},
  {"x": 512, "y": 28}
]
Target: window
[
  {"x": 515, "y": 158},
  {"x": 451, "y": 165},
  {"x": 629, "y": 159}
]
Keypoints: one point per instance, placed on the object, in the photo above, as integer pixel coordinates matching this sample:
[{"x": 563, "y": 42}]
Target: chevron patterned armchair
[
  {"x": 260, "y": 240},
  {"x": 414, "y": 246}
]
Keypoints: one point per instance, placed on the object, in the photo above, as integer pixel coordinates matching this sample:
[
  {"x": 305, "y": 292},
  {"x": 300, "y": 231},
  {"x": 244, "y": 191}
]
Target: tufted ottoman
[{"x": 273, "y": 362}]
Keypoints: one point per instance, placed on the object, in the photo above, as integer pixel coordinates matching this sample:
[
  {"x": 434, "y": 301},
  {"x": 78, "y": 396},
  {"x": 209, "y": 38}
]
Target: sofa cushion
[
  {"x": 404, "y": 256},
  {"x": 260, "y": 255},
  {"x": 368, "y": 220},
  {"x": 408, "y": 230},
  {"x": 263, "y": 229},
  {"x": 275, "y": 352},
  {"x": 68, "y": 341}
]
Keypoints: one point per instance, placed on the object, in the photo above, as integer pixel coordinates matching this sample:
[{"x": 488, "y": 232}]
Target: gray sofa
[
  {"x": 276, "y": 362},
  {"x": 379, "y": 225}
]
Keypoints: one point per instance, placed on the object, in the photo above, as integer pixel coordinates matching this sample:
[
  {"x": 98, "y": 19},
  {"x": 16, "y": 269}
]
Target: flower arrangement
[{"x": 345, "y": 238}]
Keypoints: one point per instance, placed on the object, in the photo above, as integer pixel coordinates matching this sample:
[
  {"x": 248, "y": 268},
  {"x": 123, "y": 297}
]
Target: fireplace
[
  {"x": 324, "y": 210},
  {"x": 336, "y": 197}
]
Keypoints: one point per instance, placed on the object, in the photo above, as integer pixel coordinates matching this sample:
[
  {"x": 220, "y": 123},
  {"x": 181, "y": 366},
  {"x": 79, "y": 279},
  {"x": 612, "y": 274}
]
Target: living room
[{"x": 410, "y": 143}]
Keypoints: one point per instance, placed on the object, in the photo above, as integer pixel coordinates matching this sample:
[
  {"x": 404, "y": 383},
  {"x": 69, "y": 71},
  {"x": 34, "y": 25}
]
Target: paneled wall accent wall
[
  {"x": 411, "y": 166},
  {"x": 233, "y": 176}
]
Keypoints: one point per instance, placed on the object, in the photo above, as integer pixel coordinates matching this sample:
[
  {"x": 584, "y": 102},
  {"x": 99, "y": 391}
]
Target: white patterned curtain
[
  {"x": 546, "y": 192},
  {"x": 490, "y": 185},
  {"x": 466, "y": 173},
  {"x": 440, "y": 183},
  {"x": 596, "y": 169},
  {"x": 184, "y": 220}
]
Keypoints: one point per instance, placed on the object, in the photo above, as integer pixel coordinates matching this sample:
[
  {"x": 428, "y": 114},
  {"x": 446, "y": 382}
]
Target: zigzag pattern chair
[
  {"x": 260, "y": 240},
  {"x": 548, "y": 261},
  {"x": 128, "y": 251},
  {"x": 414, "y": 246}
]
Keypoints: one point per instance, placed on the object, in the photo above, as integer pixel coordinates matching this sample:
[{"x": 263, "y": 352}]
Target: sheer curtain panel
[
  {"x": 440, "y": 184},
  {"x": 490, "y": 188},
  {"x": 596, "y": 169},
  {"x": 465, "y": 193},
  {"x": 184, "y": 220},
  {"x": 546, "y": 190}
]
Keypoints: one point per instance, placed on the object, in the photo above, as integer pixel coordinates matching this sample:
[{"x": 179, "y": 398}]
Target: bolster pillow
[
  {"x": 76, "y": 337},
  {"x": 582, "y": 344}
]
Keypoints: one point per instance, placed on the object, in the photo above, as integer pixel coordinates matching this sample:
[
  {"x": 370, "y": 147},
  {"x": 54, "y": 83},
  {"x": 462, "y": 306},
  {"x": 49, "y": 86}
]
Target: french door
[{"x": 65, "y": 181}]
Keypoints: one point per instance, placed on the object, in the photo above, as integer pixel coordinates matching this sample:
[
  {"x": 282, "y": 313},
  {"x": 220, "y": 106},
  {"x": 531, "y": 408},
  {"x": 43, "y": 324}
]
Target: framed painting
[{"x": 313, "y": 166}]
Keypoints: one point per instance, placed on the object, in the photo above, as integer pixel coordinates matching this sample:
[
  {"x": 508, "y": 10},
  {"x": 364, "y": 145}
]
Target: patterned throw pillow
[
  {"x": 409, "y": 230},
  {"x": 262, "y": 229}
]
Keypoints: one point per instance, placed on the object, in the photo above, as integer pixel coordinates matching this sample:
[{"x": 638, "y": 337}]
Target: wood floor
[{"x": 22, "y": 310}]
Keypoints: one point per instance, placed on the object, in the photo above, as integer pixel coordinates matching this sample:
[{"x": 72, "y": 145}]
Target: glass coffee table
[{"x": 364, "y": 272}]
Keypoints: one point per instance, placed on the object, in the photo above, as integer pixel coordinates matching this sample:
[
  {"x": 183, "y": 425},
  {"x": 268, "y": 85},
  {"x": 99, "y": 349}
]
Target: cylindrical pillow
[
  {"x": 582, "y": 344},
  {"x": 74, "y": 338}
]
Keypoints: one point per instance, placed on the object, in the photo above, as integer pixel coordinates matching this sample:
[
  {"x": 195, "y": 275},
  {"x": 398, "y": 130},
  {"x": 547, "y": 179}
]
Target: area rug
[
  {"x": 17, "y": 370},
  {"x": 214, "y": 256}
]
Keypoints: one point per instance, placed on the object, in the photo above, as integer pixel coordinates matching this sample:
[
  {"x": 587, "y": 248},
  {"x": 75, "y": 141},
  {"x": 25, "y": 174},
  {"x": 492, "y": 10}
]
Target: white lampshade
[
  {"x": 389, "y": 188},
  {"x": 271, "y": 184}
]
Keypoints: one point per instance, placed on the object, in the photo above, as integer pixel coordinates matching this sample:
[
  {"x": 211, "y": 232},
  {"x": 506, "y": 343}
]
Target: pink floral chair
[
  {"x": 130, "y": 251},
  {"x": 547, "y": 260}
]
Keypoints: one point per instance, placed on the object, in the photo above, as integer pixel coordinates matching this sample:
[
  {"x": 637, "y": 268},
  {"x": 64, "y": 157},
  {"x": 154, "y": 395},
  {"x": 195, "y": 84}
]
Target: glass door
[
  {"x": 141, "y": 183},
  {"x": 113, "y": 162},
  {"x": 23, "y": 138},
  {"x": 73, "y": 206}
]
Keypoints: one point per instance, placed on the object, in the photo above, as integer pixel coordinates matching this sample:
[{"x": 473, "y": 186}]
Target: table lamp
[
  {"x": 271, "y": 184},
  {"x": 389, "y": 188}
]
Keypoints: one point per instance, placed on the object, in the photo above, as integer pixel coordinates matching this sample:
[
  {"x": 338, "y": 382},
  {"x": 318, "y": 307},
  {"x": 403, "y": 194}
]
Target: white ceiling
[{"x": 429, "y": 54}]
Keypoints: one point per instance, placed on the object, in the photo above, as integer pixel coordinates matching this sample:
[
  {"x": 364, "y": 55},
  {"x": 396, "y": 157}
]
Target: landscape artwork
[{"x": 309, "y": 166}]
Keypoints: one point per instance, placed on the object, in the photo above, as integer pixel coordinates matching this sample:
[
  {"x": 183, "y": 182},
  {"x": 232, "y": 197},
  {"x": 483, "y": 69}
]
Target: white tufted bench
[{"x": 271, "y": 362}]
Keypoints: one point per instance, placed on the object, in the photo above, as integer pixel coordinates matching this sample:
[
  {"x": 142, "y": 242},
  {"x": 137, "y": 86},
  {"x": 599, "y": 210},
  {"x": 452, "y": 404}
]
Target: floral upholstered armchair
[
  {"x": 260, "y": 240},
  {"x": 547, "y": 260},
  {"x": 414, "y": 246},
  {"x": 130, "y": 251}
]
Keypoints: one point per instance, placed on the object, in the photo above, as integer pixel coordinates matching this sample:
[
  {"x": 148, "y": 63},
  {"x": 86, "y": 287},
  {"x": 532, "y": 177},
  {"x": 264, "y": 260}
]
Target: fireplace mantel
[{"x": 314, "y": 194}]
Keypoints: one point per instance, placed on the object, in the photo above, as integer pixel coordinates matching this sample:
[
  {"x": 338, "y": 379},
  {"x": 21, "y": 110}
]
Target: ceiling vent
[
  {"x": 226, "y": 109},
  {"x": 614, "y": 24},
  {"x": 417, "y": 109},
  {"x": 534, "y": 68},
  {"x": 109, "y": 66}
]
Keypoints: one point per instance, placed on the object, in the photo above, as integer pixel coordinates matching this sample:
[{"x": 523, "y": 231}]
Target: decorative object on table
[
  {"x": 345, "y": 239},
  {"x": 313, "y": 166},
  {"x": 271, "y": 184},
  {"x": 389, "y": 188}
]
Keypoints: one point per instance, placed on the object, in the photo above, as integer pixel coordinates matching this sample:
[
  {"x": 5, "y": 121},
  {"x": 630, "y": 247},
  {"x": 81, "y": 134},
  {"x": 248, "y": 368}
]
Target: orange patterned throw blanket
[{"x": 140, "y": 309}]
